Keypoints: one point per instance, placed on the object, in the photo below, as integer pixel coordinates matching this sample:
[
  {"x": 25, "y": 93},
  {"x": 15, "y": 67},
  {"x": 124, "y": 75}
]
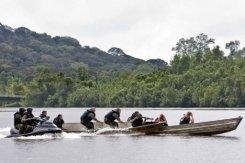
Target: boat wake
[
  {"x": 105, "y": 131},
  {"x": 4, "y": 132},
  {"x": 113, "y": 132}
]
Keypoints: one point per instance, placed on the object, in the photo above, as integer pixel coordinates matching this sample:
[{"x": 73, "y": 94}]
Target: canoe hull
[
  {"x": 202, "y": 128},
  {"x": 148, "y": 128}
]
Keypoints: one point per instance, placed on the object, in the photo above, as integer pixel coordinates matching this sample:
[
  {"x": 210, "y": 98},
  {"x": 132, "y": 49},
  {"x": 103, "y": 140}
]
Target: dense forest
[
  {"x": 199, "y": 75},
  {"x": 24, "y": 52}
]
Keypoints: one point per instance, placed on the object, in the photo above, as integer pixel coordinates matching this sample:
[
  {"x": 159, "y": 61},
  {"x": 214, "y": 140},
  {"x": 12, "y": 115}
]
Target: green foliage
[
  {"x": 23, "y": 52},
  {"x": 61, "y": 73}
]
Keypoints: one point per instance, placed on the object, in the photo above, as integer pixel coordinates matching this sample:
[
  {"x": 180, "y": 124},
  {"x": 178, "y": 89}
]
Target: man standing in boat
[
  {"x": 111, "y": 117},
  {"x": 87, "y": 117},
  {"x": 187, "y": 118}
]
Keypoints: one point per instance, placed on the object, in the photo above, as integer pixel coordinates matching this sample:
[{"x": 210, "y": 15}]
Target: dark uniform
[
  {"x": 137, "y": 121},
  {"x": 185, "y": 120},
  {"x": 111, "y": 117},
  {"x": 86, "y": 119},
  {"x": 133, "y": 116},
  {"x": 58, "y": 121},
  {"x": 17, "y": 118},
  {"x": 28, "y": 122}
]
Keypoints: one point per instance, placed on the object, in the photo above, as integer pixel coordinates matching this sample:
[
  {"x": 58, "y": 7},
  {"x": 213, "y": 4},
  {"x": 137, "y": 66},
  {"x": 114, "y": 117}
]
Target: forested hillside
[
  {"x": 24, "y": 52},
  {"x": 200, "y": 75}
]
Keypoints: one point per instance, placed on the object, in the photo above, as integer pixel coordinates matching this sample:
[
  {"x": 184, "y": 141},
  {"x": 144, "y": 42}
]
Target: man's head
[
  {"x": 44, "y": 112},
  {"x": 22, "y": 110},
  {"x": 29, "y": 110},
  {"x": 135, "y": 113},
  {"x": 60, "y": 116},
  {"x": 189, "y": 114},
  {"x": 118, "y": 110},
  {"x": 93, "y": 109}
]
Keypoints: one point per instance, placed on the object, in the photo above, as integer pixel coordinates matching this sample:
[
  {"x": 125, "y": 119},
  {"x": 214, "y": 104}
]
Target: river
[{"x": 120, "y": 148}]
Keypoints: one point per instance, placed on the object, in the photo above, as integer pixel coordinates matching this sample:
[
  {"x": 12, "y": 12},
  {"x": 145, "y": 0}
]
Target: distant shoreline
[{"x": 7, "y": 109}]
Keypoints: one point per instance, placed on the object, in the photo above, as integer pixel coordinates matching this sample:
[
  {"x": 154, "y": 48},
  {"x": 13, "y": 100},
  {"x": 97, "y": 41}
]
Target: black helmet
[
  {"x": 22, "y": 110},
  {"x": 29, "y": 109}
]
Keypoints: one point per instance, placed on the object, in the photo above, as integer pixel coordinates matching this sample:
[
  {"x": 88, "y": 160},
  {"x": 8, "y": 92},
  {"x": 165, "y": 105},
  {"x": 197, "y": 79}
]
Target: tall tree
[
  {"x": 192, "y": 45},
  {"x": 233, "y": 46}
]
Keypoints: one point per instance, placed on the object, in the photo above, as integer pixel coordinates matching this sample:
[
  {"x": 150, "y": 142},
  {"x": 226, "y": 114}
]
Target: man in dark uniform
[
  {"x": 112, "y": 116},
  {"x": 87, "y": 117},
  {"x": 136, "y": 119},
  {"x": 17, "y": 118},
  {"x": 28, "y": 121},
  {"x": 59, "y": 121}
]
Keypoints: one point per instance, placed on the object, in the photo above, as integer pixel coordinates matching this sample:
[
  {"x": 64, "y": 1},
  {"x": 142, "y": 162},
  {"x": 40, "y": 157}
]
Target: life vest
[
  {"x": 109, "y": 116},
  {"x": 186, "y": 120},
  {"x": 85, "y": 118},
  {"x": 58, "y": 122},
  {"x": 17, "y": 118},
  {"x": 31, "y": 122},
  {"x": 137, "y": 122}
]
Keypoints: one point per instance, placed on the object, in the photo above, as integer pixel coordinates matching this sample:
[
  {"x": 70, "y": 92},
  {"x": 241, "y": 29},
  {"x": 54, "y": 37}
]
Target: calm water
[{"x": 85, "y": 148}]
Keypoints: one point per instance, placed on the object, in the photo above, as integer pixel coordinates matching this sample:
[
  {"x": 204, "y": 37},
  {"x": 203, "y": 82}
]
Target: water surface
[{"x": 229, "y": 147}]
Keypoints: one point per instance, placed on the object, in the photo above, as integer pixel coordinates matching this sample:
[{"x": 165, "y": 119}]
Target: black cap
[
  {"x": 29, "y": 109},
  {"x": 22, "y": 109}
]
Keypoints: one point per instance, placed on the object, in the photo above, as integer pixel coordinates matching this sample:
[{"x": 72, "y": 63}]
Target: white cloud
[{"x": 142, "y": 28}]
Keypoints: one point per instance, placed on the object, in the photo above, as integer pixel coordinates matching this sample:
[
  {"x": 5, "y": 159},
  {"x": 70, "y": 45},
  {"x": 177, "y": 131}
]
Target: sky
[{"x": 145, "y": 29}]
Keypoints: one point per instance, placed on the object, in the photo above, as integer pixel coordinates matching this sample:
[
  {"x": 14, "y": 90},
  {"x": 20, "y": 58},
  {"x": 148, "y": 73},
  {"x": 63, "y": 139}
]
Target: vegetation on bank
[{"x": 198, "y": 76}]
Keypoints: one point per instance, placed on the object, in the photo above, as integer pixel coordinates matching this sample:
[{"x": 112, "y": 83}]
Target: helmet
[
  {"x": 118, "y": 110},
  {"x": 22, "y": 110},
  {"x": 29, "y": 109}
]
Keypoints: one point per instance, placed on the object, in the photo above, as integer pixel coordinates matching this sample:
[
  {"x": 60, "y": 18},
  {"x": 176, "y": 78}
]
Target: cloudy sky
[{"x": 142, "y": 28}]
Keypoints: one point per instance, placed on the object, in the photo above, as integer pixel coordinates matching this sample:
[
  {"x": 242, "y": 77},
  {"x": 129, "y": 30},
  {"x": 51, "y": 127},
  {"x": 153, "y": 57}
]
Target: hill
[{"x": 23, "y": 52}]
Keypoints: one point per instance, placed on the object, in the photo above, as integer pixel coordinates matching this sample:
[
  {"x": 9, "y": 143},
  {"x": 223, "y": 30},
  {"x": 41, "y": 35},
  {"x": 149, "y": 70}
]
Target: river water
[{"x": 119, "y": 148}]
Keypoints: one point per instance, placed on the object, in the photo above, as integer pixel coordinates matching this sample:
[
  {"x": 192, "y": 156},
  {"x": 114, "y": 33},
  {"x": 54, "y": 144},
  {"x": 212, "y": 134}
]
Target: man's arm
[
  {"x": 117, "y": 118},
  {"x": 192, "y": 119},
  {"x": 94, "y": 118}
]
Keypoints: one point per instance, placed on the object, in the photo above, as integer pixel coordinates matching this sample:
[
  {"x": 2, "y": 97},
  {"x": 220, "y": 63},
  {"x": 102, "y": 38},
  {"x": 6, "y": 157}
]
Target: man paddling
[
  {"x": 17, "y": 118},
  {"x": 187, "y": 118},
  {"x": 87, "y": 117},
  {"x": 136, "y": 119},
  {"x": 162, "y": 119},
  {"x": 111, "y": 117}
]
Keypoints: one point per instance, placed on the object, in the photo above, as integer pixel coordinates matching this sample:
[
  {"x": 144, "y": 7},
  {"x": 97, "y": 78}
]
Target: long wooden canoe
[{"x": 202, "y": 128}]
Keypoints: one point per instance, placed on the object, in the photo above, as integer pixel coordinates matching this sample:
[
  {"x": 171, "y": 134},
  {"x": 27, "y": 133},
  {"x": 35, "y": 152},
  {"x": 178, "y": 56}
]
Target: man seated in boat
[
  {"x": 28, "y": 122},
  {"x": 17, "y": 118},
  {"x": 187, "y": 118},
  {"x": 136, "y": 119},
  {"x": 59, "y": 121},
  {"x": 132, "y": 116},
  {"x": 87, "y": 117},
  {"x": 162, "y": 119},
  {"x": 44, "y": 115},
  {"x": 111, "y": 117}
]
